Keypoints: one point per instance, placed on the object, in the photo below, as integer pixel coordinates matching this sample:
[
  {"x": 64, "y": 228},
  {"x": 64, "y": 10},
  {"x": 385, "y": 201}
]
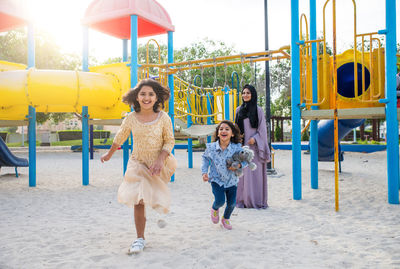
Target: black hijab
[{"x": 248, "y": 110}]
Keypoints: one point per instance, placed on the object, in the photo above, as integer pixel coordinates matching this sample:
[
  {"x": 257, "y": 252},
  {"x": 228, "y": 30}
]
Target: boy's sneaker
[
  {"x": 214, "y": 216},
  {"x": 137, "y": 246},
  {"x": 226, "y": 223}
]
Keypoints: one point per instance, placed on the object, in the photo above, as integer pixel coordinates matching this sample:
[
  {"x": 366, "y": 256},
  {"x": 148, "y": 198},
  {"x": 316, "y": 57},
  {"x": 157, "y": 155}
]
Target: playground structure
[
  {"x": 323, "y": 86},
  {"x": 354, "y": 90},
  {"x": 9, "y": 159}
]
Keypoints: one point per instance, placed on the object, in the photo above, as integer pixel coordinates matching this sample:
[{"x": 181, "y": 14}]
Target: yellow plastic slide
[{"x": 63, "y": 91}]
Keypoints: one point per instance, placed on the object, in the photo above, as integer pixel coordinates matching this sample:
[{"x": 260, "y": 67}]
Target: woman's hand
[
  {"x": 251, "y": 141},
  {"x": 205, "y": 177}
]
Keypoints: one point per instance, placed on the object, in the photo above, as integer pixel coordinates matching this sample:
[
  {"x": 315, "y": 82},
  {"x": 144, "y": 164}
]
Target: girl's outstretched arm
[
  {"x": 122, "y": 134},
  {"x": 106, "y": 156}
]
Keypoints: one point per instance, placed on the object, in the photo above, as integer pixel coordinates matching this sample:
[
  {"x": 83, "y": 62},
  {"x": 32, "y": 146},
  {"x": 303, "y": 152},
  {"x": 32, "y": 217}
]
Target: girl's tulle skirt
[{"x": 139, "y": 186}]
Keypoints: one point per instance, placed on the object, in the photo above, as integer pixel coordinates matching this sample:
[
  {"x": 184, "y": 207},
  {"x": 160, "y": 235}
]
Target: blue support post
[
  {"x": 226, "y": 103},
  {"x": 85, "y": 68},
  {"x": 85, "y": 146},
  {"x": 209, "y": 113},
  {"x": 134, "y": 76},
  {"x": 171, "y": 104},
  {"x": 32, "y": 146},
  {"x": 314, "y": 123},
  {"x": 85, "y": 49},
  {"x": 296, "y": 113},
  {"x": 125, "y": 59},
  {"x": 91, "y": 141},
  {"x": 31, "y": 46},
  {"x": 32, "y": 112},
  {"x": 190, "y": 142},
  {"x": 124, "y": 50},
  {"x": 391, "y": 106}
]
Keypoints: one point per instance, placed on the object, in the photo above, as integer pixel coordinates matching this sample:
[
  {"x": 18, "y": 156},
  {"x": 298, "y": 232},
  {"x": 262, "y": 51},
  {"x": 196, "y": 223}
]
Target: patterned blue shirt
[{"x": 214, "y": 164}]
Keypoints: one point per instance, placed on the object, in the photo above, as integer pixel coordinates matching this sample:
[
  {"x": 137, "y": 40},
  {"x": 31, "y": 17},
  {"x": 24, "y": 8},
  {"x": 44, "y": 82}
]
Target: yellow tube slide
[{"x": 64, "y": 91}]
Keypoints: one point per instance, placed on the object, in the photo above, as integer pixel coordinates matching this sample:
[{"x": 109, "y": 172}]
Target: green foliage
[
  {"x": 305, "y": 136},
  {"x": 371, "y": 142},
  {"x": 3, "y": 135},
  {"x": 14, "y": 48},
  {"x": 281, "y": 106},
  {"x": 278, "y": 134},
  {"x": 280, "y": 74},
  {"x": 18, "y": 144},
  {"x": 55, "y": 118},
  {"x": 96, "y": 142},
  {"x": 12, "y": 130},
  {"x": 213, "y": 76},
  {"x": 64, "y": 135}
]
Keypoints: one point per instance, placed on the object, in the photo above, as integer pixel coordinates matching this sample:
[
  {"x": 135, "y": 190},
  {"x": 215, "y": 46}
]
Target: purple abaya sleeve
[{"x": 261, "y": 137}]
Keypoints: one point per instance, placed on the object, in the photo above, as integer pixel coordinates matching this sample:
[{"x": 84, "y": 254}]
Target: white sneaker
[{"x": 137, "y": 246}]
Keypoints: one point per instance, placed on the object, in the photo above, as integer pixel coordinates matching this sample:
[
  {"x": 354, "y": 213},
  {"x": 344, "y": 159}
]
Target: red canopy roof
[
  {"x": 11, "y": 16},
  {"x": 113, "y": 17}
]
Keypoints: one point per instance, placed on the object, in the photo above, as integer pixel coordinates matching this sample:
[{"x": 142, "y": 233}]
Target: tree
[
  {"x": 204, "y": 49},
  {"x": 14, "y": 48},
  {"x": 278, "y": 134},
  {"x": 280, "y": 73}
]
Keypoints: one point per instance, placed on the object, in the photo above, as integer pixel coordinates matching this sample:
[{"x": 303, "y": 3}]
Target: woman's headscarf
[{"x": 248, "y": 110}]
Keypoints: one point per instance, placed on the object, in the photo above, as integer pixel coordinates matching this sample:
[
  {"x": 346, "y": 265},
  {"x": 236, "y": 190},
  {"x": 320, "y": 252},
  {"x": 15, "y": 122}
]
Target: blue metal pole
[
  {"x": 31, "y": 46},
  {"x": 391, "y": 106},
  {"x": 235, "y": 74},
  {"x": 226, "y": 106},
  {"x": 91, "y": 138},
  {"x": 32, "y": 146},
  {"x": 32, "y": 112},
  {"x": 85, "y": 49},
  {"x": 134, "y": 75},
  {"x": 124, "y": 50},
  {"x": 134, "y": 50},
  {"x": 190, "y": 142},
  {"x": 85, "y": 68},
  {"x": 314, "y": 123},
  {"x": 171, "y": 104},
  {"x": 125, "y": 59},
  {"x": 296, "y": 113},
  {"x": 209, "y": 113},
  {"x": 85, "y": 146}
]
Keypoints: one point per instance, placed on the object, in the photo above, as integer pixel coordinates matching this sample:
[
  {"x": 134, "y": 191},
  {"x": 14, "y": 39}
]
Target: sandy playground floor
[{"x": 61, "y": 224}]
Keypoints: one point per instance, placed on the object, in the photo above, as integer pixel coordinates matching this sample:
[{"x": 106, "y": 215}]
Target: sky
[{"x": 238, "y": 23}]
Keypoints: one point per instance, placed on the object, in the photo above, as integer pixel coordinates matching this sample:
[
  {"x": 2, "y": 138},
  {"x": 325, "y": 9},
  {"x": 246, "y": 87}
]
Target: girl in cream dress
[{"x": 151, "y": 164}]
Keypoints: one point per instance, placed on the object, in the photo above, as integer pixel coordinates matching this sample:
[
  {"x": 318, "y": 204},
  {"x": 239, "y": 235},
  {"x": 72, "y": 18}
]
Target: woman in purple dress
[{"x": 252, "y": 190}]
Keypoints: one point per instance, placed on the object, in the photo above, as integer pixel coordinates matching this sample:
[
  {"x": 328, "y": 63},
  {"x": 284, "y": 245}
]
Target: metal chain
[
  {"x": 225, "y": 70},
  {"x": 242, "y": 67},
  {"x": 215, "y": 73}
]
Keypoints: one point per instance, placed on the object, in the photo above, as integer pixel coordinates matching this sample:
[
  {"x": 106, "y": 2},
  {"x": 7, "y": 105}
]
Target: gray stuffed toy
[{"x": 246, "y": 155}]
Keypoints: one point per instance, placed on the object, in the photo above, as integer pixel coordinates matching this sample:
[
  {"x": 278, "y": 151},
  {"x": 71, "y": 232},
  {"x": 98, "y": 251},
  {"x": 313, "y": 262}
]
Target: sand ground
[{"x": 62, "y": 224}]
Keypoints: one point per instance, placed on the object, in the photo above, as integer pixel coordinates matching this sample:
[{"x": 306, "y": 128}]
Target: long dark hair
[
  {"x": 237, "y": 137},
  {"x": 248, "y": 110},
  {"x": 162, "y": 93}
]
